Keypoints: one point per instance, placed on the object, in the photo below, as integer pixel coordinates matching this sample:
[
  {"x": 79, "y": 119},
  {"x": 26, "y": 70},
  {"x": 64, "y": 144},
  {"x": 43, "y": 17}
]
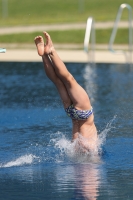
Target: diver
[{"x": 74, "y": 98}]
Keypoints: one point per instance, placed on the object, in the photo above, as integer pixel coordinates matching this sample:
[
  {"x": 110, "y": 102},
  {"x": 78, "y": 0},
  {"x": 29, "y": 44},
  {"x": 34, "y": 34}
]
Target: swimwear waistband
[{"x": 78, "y": 114}]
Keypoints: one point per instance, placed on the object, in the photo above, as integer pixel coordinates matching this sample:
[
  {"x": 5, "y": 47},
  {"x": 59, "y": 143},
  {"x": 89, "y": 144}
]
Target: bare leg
[
  {"x": 50, "y": 72},
  {"x": 77, "y": 94}
]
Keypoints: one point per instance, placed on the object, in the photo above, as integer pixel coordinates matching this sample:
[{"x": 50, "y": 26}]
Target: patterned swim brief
[{"x": 78, "y": 114}]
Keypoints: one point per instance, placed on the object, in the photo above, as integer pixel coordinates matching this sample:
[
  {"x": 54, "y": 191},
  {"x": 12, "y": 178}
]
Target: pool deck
[
  {"x": 80, "y": 56},
  {"x": 67, "y": 52}
]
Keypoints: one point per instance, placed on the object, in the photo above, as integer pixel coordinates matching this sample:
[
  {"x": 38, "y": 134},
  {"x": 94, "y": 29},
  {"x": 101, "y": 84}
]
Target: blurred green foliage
[
  {"x": 68, "y": 36},
  {"x": 29, "y": 12},
  {"x": 32, "y": 12}
]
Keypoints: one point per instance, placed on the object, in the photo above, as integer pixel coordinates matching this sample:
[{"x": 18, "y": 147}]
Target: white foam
[
  {"x": 74, "y": 151},
  {"x": 102, "y": 136},
  {"x": 26, "y": 159},
  {"x": 61, "y": 149},
  {"x": 69, "y": 149}
]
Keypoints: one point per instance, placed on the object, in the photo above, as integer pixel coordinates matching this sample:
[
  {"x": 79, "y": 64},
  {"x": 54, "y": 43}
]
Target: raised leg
[
  {"x": 50, "y": 72},
  {"x": 77, "y": 94}
]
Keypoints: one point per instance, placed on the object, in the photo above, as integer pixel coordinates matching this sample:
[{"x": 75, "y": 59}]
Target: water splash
[
  {"x": 61, "y": 149},
  {"x": 77, "y": 152},
  {"x": 23, "y": 160},
  {"x": 103, "y": 135}
]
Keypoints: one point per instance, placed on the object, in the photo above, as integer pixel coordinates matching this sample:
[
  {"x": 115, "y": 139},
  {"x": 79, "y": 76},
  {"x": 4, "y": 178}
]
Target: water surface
[{"x": 36, "y": 160}]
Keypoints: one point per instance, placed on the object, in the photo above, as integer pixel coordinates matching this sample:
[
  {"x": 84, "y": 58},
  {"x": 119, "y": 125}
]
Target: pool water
[{"x": 36, "y": 154}]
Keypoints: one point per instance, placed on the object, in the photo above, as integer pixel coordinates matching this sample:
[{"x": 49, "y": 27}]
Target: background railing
[
  {"x": 128, "y": 54},
  {"x": 89, "y": 40}
]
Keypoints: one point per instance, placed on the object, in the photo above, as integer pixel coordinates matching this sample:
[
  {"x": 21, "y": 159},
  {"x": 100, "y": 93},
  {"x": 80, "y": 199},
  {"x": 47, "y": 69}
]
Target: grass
[
  {"x": 29, "y": 12},
  {"x": 68, "y": 36}
]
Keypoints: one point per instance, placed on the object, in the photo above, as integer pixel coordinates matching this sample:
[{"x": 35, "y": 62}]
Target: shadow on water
[{"x": 37, "y": 158}]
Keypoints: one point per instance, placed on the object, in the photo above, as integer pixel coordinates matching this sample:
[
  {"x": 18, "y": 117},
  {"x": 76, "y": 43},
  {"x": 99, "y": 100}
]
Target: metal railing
[
  {"x": 89, "y": 40},
  {"x": 114, "y": 31}
]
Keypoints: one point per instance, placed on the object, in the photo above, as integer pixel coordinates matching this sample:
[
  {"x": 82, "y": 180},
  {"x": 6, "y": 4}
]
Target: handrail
[
  {"x": 114, "y": 31},
  {"x": 90, "y": 33}
]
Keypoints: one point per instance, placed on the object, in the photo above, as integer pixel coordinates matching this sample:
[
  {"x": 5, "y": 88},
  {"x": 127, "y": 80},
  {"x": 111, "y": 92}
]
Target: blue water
[{"x": 36, "y": 154}]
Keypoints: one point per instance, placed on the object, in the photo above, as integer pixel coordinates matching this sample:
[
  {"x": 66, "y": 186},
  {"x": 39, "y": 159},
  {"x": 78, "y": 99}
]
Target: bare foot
[
  {"x": 49, "y": 48},
  {"x": 40, "y": 45}
]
